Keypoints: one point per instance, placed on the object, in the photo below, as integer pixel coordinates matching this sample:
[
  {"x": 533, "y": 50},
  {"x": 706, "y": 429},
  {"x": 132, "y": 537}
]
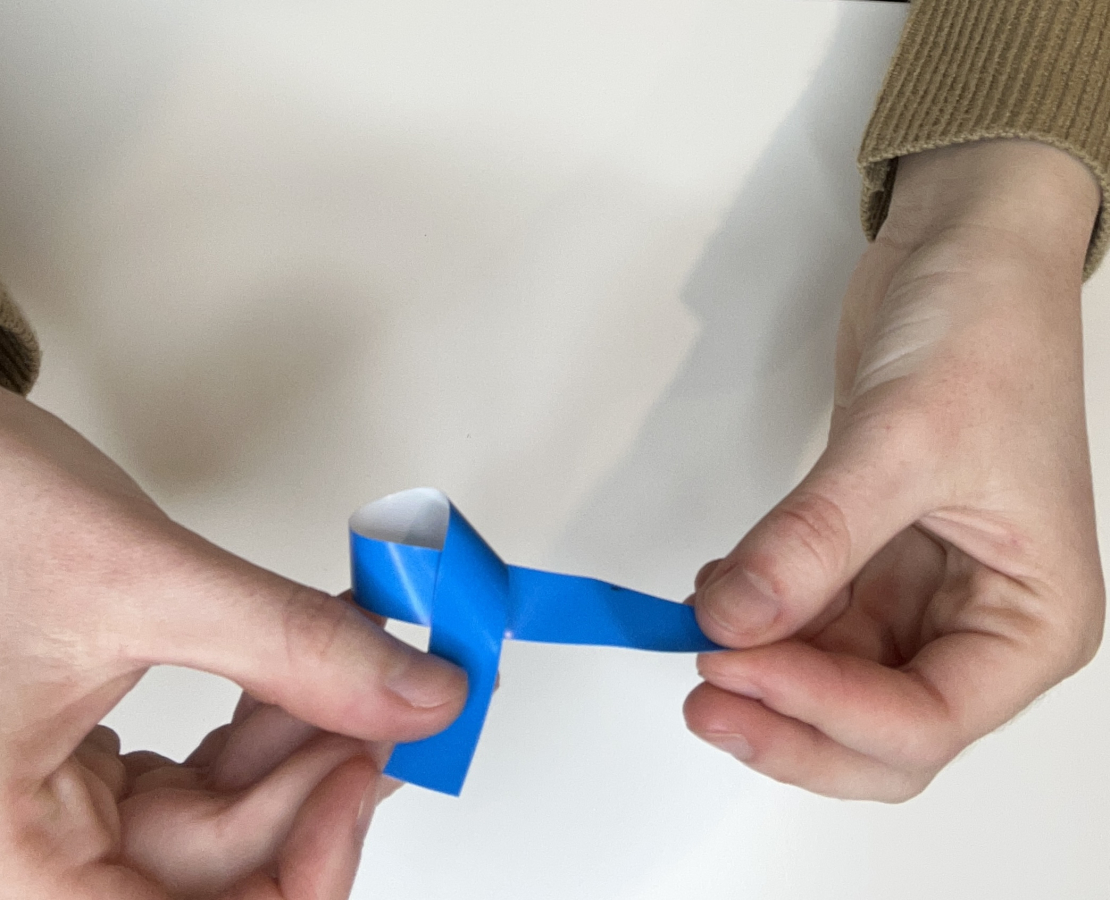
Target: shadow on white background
[{"x": 579, "y": 266}]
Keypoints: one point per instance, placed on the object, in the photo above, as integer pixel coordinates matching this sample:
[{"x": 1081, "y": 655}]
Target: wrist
[{"x": 1033, "y": 196}]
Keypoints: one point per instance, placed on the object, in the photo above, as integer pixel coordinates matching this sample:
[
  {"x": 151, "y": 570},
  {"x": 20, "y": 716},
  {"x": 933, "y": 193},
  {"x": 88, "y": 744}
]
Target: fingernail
[
  {"x": 425, "y": 681},
  {"x": 750, "y": 602},
  {"x": 734, "y": 744},
  {"x": 725, "y": 677}
]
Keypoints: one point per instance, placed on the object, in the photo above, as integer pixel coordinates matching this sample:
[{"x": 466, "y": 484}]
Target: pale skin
[
  {"x": 938, "y": 569},
  {"x": 934, "y": 573},
  {"x": 97, "y": 585}
]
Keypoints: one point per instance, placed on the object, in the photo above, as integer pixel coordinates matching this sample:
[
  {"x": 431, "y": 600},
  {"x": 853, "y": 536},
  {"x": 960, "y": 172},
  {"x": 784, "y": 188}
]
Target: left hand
[
  {"x": 97, "y": 585},
  {"x": 266, "y": 807}
]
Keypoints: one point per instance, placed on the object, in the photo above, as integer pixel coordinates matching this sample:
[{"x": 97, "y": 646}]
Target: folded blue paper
[{"x": 415, "y": 558}]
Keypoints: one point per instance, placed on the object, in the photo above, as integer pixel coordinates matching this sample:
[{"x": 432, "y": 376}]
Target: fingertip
[
  {"x": 321, "y": 854},
  {"x": 104, "y": 738},
  {"x": 387, "y": 787},
  {"x": 732, "y": 671},
  {"x": 707, "y": 710},
  {"x": 720, "y": 719},
  {"x": 355, "y": 678},
  {"x": 738, "y": 608},
  {"x": 706, "y": 572},
  {"x": 791, "y": 751},
  {"x": 427, "y": 682},
  {"x": 734, "y": 744}
]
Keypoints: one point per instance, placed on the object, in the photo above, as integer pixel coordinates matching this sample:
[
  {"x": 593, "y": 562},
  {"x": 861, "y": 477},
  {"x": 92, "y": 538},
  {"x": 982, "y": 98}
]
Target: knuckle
[
  {"x": 1089, "y": 642},
  {"x": 1087, "y": 634},
  {"x": 811, "y": 521},
  {"x": 313, "y": 624},
  {"x": 1067, "y": 636}
]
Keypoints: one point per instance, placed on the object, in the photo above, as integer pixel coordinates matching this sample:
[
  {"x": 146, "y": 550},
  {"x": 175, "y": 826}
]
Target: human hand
[
  {"x": 266, "y": 807},
  {"x": 96, "y": 585},
  {"x": 938, "y": 569}
]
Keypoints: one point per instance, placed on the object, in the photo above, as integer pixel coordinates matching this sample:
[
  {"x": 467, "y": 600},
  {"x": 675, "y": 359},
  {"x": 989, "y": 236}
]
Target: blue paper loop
[{"x": 414, "y": 557}]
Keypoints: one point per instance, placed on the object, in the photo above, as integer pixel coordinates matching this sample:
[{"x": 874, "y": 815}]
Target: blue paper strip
[{"x": 414, "y": 557}]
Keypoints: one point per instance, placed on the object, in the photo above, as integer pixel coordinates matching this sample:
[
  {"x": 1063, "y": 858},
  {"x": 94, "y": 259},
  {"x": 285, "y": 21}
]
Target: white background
[{"x": 578, "y": 264}]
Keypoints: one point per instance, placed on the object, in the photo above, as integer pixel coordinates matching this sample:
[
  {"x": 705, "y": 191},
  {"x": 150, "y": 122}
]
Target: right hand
[
  {"x": 938, "y": 568},
  {"x": 96, "y": 585}
]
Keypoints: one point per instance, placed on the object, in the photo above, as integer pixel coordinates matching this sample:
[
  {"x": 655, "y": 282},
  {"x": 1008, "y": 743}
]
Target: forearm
[
  {"x": 1026, "y": 193},
  {"x": 974, "y": 70}
]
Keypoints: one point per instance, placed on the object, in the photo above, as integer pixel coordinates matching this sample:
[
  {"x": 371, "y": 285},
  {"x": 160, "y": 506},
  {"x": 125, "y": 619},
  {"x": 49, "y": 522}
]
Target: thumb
[
  {"x": 316, "y": 656},
  {"x": 795, "y": 564}
]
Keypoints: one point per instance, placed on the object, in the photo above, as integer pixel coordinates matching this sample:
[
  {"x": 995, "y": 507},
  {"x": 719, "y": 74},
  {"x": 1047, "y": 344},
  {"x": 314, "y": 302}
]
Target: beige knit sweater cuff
[
  {"x": 19, "y": 350},
  {"x": 967, "y": 70}
]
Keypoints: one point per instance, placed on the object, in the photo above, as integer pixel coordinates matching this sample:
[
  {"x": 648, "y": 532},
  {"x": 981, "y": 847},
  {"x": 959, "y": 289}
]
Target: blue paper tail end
[{"x": 409, "y": 763}]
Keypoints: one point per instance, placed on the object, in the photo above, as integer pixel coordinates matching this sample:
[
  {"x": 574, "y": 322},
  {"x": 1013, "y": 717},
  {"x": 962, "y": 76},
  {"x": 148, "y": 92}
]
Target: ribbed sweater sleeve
[
  {"x": 968, "y": 70},
  {"x": 19, "y": 350}
]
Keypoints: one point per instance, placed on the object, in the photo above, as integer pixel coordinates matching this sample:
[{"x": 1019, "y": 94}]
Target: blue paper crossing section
[{"x": 472, "y": 602}]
